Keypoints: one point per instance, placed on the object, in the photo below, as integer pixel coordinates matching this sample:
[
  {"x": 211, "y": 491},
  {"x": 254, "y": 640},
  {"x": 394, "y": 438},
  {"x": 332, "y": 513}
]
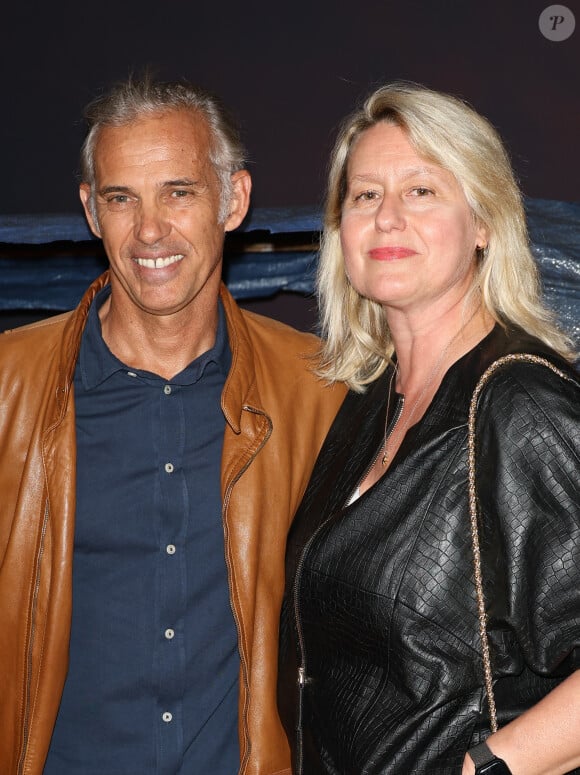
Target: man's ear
[
  {"x": 240, "y": 199},
  {"x": 85, "y": 195}
]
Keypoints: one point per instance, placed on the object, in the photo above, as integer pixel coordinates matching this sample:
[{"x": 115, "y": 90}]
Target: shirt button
[
  {"x": 167, "y": 390},
  {"x": 167, "y": 717},
  {"x": 170, "y": 549},
  {"x": 169, "y": 468},
  {"x": 169, "y": 633}
]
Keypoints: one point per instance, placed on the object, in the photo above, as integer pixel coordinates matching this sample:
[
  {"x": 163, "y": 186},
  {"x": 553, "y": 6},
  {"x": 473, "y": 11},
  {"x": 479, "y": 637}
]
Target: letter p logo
[{"x": 557, "y": 23}]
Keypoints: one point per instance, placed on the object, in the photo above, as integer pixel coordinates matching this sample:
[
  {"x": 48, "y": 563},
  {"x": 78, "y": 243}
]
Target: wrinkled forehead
[{"x": 178, "y": 139}]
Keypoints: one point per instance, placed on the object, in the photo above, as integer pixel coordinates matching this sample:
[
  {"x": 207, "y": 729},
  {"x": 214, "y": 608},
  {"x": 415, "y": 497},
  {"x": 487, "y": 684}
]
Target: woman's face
[{"x": 407, "y": 232}]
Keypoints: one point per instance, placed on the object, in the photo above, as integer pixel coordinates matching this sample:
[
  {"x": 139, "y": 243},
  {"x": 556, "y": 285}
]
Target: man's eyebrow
[
  {"x": 181, "y": 182},
  {"x": 185, "y": 182},
  {"x": 114, "y": 190}
]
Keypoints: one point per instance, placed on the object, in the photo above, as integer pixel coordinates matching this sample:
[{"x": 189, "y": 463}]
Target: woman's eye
[
  {"x": 421, "y": 191},
  {"x": 365, "y": 196}
]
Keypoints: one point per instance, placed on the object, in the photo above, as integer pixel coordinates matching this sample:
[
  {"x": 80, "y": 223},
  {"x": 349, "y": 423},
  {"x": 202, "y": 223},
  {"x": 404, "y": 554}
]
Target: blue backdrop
[{"x": 47, "y": 261}]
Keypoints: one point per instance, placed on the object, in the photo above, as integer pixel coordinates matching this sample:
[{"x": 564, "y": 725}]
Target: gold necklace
[{"x": 432, "y": 374}]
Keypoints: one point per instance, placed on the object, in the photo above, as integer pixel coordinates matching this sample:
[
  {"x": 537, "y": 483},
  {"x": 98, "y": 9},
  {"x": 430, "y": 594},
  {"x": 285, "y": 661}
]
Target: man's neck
[{"x": 161, "y": 344}]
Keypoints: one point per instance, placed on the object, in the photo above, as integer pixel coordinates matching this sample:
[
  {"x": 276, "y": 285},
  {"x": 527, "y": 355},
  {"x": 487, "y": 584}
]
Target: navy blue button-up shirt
[{"x": 153, "y": 680}]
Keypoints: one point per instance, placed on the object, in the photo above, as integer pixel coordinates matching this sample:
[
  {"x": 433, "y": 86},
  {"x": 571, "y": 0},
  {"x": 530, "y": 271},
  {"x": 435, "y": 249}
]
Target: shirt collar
[{"x": 97, "y": 363}]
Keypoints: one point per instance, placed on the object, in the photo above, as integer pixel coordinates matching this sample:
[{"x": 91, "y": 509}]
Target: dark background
[{"x": 289, "y": 71}]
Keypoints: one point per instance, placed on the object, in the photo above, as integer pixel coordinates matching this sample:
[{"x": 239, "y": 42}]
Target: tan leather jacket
[{"x": 277, "y": 415}]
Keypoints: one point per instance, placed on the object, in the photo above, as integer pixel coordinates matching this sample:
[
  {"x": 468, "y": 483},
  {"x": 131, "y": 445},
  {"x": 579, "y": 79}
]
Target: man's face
[{"x": 157, "y": 199}]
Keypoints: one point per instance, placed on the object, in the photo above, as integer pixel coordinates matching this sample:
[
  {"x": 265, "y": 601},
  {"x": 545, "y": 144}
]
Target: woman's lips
[{"x": 390, "y": 254}]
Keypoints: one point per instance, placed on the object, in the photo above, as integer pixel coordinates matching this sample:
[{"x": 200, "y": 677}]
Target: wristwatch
[{"x": 486, "y": 762}]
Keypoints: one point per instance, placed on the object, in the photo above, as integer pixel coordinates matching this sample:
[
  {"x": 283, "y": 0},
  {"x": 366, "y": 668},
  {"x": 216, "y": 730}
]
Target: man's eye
[
  {"x": 180, "y": 194},
  {"x": 117, "y": 199}
]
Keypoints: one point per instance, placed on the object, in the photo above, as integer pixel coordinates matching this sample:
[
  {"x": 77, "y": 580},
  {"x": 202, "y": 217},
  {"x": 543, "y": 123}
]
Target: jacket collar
[
  {"x": 71, "y": 344},
  {"x": 358, "y": 430},
  {"x": 240, "y": 390}
]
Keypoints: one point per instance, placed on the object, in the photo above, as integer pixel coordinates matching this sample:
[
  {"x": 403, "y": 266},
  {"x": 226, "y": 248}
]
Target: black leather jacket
[{"x": 379, "y": 620}]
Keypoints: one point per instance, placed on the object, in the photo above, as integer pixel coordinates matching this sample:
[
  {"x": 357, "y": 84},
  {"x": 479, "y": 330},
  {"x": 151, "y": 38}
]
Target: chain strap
[{"x": 473, "y": 513}]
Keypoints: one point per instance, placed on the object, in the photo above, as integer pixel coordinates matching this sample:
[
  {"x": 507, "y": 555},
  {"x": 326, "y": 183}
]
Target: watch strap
[
  {"x": 486, "y": 762},
  {"x": 481, "y": 754}
]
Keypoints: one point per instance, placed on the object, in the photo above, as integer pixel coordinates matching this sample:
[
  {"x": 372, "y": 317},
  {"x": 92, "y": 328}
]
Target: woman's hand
[
  {"x": 545, "y": 740},
  {"x": 468, "y": 766}
]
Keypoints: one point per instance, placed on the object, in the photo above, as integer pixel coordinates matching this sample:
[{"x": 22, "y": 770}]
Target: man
[{"x": 155, "y": 445}]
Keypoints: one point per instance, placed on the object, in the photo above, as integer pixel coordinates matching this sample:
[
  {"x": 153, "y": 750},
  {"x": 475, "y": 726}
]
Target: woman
[{"x": 425, "y": 280}]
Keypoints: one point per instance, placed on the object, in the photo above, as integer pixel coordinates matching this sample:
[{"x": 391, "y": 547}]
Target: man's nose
[{"x": 151, "y": 223}]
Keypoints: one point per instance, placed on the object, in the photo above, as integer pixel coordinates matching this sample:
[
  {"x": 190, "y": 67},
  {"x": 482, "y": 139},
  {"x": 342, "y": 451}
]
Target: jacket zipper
[
  {"x": 26, "y": 724},
  {"x": 302, "y": 672},
  {"x": 393, "y": 424},
  {"x": 243, "y": 662},
  {"x": 303, "y": 680}
]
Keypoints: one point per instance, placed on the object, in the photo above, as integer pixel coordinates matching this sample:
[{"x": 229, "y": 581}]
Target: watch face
[{"x": 494, "y": 767}]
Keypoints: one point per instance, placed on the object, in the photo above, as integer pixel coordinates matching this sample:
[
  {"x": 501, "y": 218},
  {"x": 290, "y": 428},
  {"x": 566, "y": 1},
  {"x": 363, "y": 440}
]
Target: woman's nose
[{"x": 390, "y": 214}]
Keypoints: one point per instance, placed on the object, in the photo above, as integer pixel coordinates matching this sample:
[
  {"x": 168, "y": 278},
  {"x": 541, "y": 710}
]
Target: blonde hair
[{"x": 445, "y": 131}]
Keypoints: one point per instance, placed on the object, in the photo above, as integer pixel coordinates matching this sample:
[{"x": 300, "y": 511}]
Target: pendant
[{"x": 385, "y": 458}]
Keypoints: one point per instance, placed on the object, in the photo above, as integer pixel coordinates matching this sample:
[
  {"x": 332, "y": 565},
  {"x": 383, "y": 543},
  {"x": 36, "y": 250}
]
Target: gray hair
[
  {"x": 448, "y": 132},
  {"x": 135, "y": 98}
]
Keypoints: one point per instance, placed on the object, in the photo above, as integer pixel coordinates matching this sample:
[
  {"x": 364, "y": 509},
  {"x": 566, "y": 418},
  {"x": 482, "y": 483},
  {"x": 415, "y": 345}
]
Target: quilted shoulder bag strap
[{"x": 482, "y": 617}]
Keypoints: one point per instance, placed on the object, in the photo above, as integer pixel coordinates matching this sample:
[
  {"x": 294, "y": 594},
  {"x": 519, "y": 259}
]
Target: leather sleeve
[{"x": 528, "y": 475}]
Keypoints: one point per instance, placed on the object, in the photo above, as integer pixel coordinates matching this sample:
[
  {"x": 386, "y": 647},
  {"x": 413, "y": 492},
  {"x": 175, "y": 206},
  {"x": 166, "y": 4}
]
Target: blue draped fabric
[{"x": 47, "y": 261}]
